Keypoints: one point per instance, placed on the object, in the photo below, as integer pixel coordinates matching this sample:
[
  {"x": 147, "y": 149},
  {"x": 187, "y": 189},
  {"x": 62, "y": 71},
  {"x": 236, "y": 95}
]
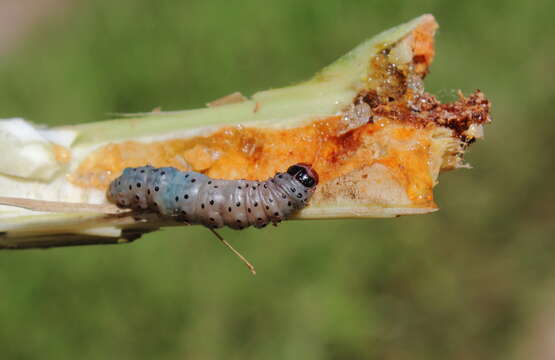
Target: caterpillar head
[{"x": 304, "y": 174}]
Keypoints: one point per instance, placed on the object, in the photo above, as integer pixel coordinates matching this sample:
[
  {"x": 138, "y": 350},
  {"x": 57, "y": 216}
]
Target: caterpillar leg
[{"x": 241, "y": 257}]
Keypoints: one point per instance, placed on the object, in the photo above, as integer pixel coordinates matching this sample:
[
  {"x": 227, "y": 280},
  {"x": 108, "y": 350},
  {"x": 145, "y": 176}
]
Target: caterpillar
[{"x": 195, "y": 198}]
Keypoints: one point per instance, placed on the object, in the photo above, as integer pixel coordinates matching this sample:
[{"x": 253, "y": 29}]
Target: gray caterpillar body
[{"x": 198, "y": 199}]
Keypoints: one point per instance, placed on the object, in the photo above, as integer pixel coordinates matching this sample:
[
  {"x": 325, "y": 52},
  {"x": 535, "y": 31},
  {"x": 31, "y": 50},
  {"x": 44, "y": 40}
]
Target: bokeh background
[{"x": 475, "y": 280}]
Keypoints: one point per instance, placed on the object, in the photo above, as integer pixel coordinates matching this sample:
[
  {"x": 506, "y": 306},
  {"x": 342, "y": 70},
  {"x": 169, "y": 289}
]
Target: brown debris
[
  {"x": 400, "y": 96},
  {"x": 426, "y": 109}
]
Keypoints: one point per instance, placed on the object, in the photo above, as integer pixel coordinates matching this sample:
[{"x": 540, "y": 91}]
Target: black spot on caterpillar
[{"x": 234, "y": 203}]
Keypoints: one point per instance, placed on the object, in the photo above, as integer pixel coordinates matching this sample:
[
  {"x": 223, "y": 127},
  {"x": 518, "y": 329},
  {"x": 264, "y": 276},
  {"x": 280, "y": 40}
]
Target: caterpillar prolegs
[{"x": 198, "y": 199}]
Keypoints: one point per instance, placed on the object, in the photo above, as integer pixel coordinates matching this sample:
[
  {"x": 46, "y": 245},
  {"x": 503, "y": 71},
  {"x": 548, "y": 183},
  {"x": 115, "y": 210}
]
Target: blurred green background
[{"x": 472, "y": 281}]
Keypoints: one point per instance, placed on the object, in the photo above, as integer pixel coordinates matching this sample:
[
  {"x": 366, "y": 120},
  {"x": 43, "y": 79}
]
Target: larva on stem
[
  {"x": 198, "y": 199},
  {"x": 195, "y": 198}
]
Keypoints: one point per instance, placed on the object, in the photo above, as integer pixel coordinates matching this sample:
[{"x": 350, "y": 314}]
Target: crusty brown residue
[{"x": 425, "y": 109}]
